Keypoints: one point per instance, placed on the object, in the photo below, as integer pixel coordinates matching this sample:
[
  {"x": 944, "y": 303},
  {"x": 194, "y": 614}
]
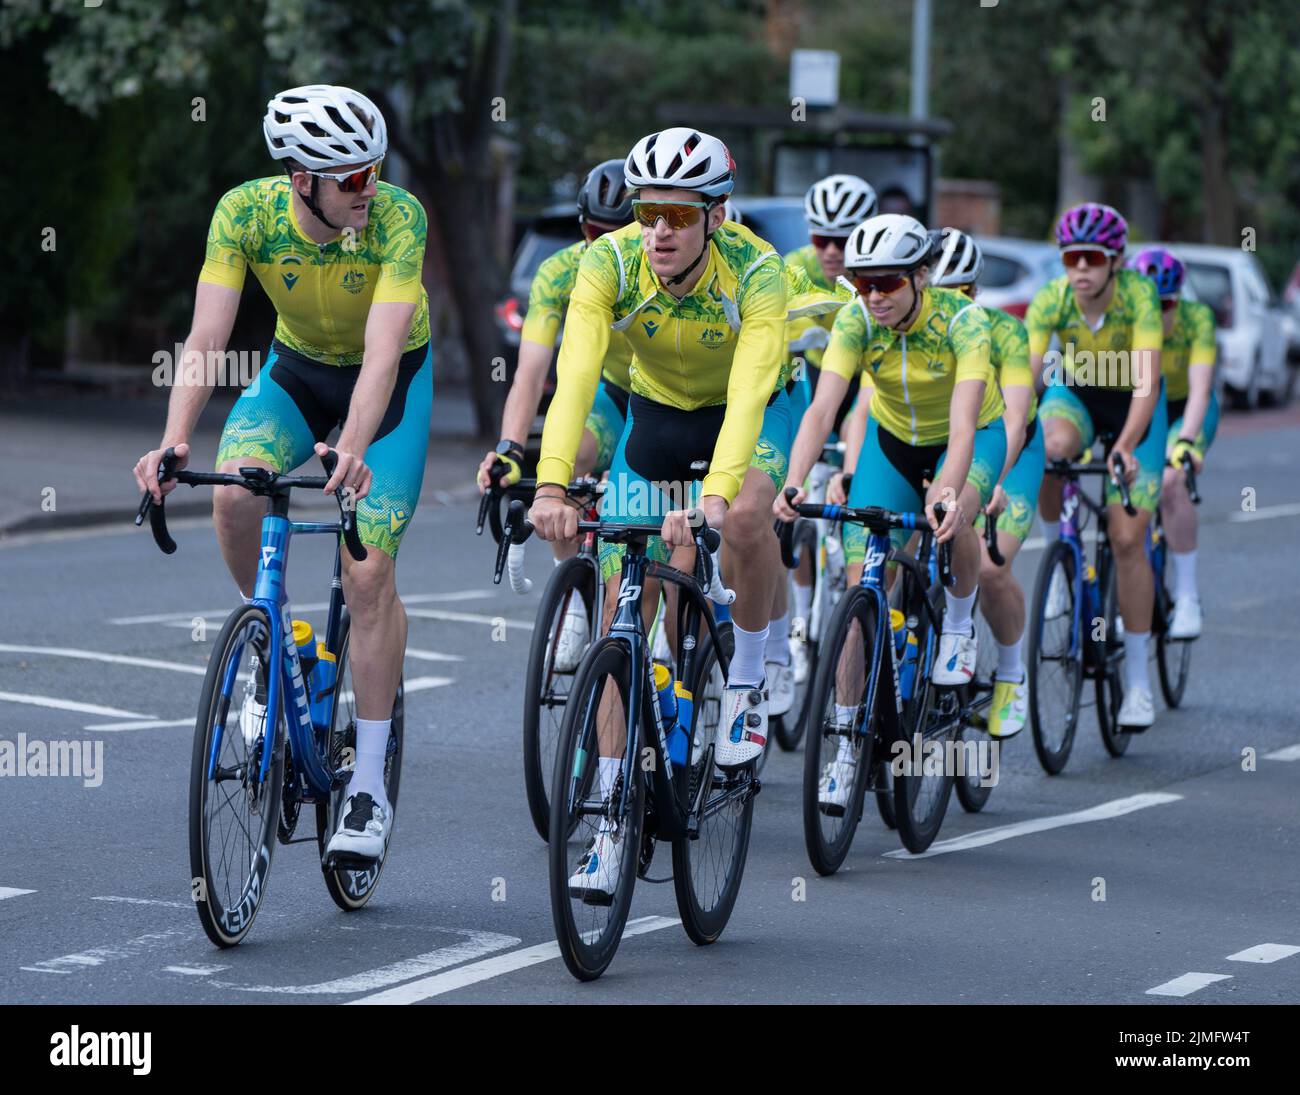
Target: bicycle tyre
[
  {"x": 1173, "y": 656},
  {"x": 1053, "y": 753},
  {"x": 1110, "y": 675},
  {"x": 788, "y": 729}
]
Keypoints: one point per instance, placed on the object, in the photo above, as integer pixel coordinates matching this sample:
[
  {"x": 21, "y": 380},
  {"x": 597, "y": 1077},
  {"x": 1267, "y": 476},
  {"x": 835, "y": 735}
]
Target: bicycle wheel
[
  {"x": 1173, "y": 656},
  {"x": 352, "y": 887},
  {"x": 707, "y": 870},
  {"x": 546, "y": 688},
  {"x": 232, "y": 820},
  {"x": 972, "y": 787},
  {"x": 1055, "y": 671},
  {"x": 1110, "y": 674},
  {"x": 589, "y": 926},
  {"x": 788, "y": 729},
  {"x": 931, "y": 719},
  {"x": 841, "y": 732}
]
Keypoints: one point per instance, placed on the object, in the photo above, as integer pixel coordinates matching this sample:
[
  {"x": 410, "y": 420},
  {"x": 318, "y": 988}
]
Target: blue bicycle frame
[{"x": 270, "y": 596}]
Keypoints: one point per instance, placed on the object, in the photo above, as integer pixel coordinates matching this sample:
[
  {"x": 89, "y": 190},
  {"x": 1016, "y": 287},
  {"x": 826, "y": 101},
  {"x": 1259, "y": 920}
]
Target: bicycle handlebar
[
  {"x": 1070, "y": 469},
  {"x": 1189, "y": 476},
  {"x": 991, "y": 541}
]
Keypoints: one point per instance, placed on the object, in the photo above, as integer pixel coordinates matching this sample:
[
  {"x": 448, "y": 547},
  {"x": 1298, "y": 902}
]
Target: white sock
[
  {"x": 372, "y": 747},
  {"x": 747, "y": 665},
  {"x": 1010, "y": 667},
  {"x": 1051, "y": 529},
  {"x": 844, "y": 715},
  {"x": 1135, "y": 660},
  {"x": 1184, "y": 574},
  {"x": 957, "y": 617},
  {"x": 778, "y": 641},
  {"x": 249, "y": 600},
  {"x": 802, "y": 601}
]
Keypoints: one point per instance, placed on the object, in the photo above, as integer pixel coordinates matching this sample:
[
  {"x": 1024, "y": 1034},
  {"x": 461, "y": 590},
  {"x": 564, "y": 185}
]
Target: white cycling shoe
[
  {"x": 742, "y": 729},
  {"x": 780, "y": 688},
  {"x": 573, "y": 636},
  {"x": 1138, "y": 711},
  {"x": 1058, "y": 596},
  {"x": 836, "y": 783},
  {"x": 595, "y": 879},
  {"x": 800, "y": 660},
  {"x": 1186, "y": 623},
  {"x": 362, "y": 827},
  {"x": 955, "y": 662}
]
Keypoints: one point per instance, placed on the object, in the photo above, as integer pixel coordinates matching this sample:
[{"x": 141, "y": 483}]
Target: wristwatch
[{"x": 512, "y": 449}]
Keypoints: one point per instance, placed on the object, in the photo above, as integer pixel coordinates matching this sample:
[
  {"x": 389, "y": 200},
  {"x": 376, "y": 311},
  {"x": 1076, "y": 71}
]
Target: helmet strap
[
  {"x": 310, "y": 202},
  {"x": 916, "y": 303},
  {"x": 704, "y": 251}
]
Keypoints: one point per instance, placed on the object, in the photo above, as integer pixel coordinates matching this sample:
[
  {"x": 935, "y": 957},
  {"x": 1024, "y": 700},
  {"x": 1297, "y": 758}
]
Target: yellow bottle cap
[
  {"x": 323, "y": 655},
  {"x": 896, "y": 619},
  {"x": 679, "y": 690},
  {"x": 302, "y": 633},
  {"x": 662, "y": 676}
]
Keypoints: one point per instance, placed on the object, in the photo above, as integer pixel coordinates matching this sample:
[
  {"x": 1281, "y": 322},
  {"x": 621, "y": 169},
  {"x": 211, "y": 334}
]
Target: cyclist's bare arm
[
  {"x": 526, "y": 391},
  {"x": 215, "y": 309},
  {"x": 1017, "y": 398},
  {"x": 818, "y": 421},
  {"x": 1200, "y": 384},
  {"x": 1146, "y": 394}
]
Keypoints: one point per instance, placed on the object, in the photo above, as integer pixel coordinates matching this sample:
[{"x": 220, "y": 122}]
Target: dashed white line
[
  {"x": 143, "y": 724},
  {"x": 10, "y": 891},
  {"x": 1187, "y": 984},
  {"x": 485, "y": 970},
  {"x": 320, "y": 606},
  {"x": 1103, "y": 812},
  {"x": 1291, "y": 752},
  {"x": 1289, "y": 509},
  {"x": 145, "y": 901},
  {"x": 97, "y": 956},
  {"x": 475, "y": 945},
  {"x": 1264, "y": 952},
  {"x": 468, "y": 618},
  {"x": 71, "y": 705},
  {"x": 432, "y": 655},
  {"x": 97, "y": 656},
  {"x": 195, "y": 971}
]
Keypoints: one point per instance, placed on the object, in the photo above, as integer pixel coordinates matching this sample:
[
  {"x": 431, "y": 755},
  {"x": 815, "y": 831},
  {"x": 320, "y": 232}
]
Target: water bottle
[
  {"x": 906, "y": 648},
  {"x": 670, "y": 695},
  {"x": 305, "y": 640},
  {"x": 320, "y": 686}
]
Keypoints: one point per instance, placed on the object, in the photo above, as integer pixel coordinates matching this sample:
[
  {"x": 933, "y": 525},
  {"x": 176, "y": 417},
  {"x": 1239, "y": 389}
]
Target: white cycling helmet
[
  {"x": 323, "y": 126},
  {"x": 890, "y": 241},
  {"x": 838, "y": 203},
  {"x": 681, "y": 159},
  {"x": 957, "y": 259}
]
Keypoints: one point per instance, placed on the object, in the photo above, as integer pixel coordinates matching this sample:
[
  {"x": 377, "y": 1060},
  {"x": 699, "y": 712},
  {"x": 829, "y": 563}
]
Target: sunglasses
[
  {"x": 883, "y": 284},
  {"x": 822, "y": 242},
  {"x": 1089, "y": 256},
  {"x": 1168, "y": 304},
  {"x": 676, "y": 215},
  {"x": 352, "y": 182},
  {"x": 593, "y": 231}
]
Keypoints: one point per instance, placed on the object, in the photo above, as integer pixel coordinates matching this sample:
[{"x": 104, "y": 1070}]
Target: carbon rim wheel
[
  {"x": 1110, "y": 676},
  {"x": 1055, "y": 672},
  {"x": 788, "y": 729},
  {"x": 1173, "y": 656},
  {"x": 232, "y": 821}
]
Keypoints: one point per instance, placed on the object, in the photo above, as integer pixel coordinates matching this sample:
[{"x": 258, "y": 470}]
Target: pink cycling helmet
[
  {"x": 1161, "y": 267},
  {"x": 1093, "y": 223}
]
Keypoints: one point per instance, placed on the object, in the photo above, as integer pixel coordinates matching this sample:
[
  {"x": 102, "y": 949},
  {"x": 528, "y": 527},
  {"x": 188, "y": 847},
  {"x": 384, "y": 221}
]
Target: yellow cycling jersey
[
  {"x": 322, "y": 292},
  {"x": 808, "y": 336},
  {"x": 720, "y": 344},
  {"x": 1097, "y": 358},
  {"x": 548, "y": 300},
  {"x": 1009, "y": 355},
  {"x": 1190, "y": 342},
  {"x": 914, "y": 371}
]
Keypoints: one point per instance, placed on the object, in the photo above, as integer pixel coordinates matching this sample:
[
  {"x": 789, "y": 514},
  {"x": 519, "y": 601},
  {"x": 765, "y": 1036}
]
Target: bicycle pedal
[
  {"x": 592, "y": 897},
  {"x": 347, "y": 861}
]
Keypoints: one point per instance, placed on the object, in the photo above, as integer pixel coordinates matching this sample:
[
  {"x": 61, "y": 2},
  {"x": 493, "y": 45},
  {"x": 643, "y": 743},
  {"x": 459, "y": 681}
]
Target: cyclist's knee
[
  {"x": 994, "y": 578},
  {"x": 749, "y": 521},
  {"x": 1128, "y": 535},
  {"x": 369, "y": 584}
]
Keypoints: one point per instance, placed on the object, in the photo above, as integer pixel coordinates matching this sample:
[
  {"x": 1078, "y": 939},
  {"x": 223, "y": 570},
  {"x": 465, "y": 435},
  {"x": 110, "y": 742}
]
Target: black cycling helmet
[{"x": 604, "y": 196}]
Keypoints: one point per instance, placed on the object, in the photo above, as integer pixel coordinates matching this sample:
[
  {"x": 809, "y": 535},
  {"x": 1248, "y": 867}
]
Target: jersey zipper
[{"x": 907, "y": 397}]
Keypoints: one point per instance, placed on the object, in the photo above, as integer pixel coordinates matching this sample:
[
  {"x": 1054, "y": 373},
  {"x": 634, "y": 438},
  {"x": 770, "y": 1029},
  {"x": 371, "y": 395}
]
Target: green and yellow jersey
[
  {"x": 1190, "y": 342},
  {"x": 722, "y": 343},
  {"x": 807, "y": 336},
  {"x": 548, "y": 300},
  {"x": 1130, "y": 323},
  {"x": 322, "y": 292},
  {"x": 914, "y": 371},
  {"x": 1009, "y": 355}
]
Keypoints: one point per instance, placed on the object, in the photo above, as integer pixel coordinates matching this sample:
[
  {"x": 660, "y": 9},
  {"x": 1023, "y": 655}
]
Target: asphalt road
[{"x": 1196, "y": 855}]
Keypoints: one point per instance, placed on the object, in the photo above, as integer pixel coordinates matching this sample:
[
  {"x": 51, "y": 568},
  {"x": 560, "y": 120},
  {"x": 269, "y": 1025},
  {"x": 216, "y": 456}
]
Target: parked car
[
  {"x": 555, "y": 227},
  {"x": 1014, "y": 270},
  {"x": 1252, "y": 331}
]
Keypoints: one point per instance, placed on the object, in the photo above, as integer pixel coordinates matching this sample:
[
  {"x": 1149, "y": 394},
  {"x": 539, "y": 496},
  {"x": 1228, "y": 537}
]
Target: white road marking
[
  {"x": 1103, "y": 812},
  {"x": 468, "y": 618},
  {"x": 97, "y": 956},
  {"x": 10, "y": 891},
  {"x": 432, "y": 655},
  {"x": 71, "y": 705},
  {"x": 145, "y": 901},
  {"x": 1265, "y": 952},
  {"x": 320, "y": 606},
  {"x": 143, "y": 724},
  {"x": 115, "y": 528},
  {"x": 485, "y": 970},
  {"x": 195, "y": 971},
  {"x": 475, "y": 945},
  {"x": 1291, "y": 752},
  {"x": 1290, "y": 509},
  {"x": 96, "y": 656},
  {"x": 1187, "y": 984}
]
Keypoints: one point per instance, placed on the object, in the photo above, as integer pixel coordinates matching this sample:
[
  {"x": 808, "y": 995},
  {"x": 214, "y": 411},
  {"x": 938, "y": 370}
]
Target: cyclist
[
  {"x": 958, "y": 264},
  {"x": 1108, "y": 322},
  {"x": 340, "y": 255},
  {"x": 935, "y": 414},
  {"x": 704, "y": 307},
  {"x": 1187, "y": 364},
  {"x": 833, "y": 207},
  {"x": 604, "y": 204}
]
